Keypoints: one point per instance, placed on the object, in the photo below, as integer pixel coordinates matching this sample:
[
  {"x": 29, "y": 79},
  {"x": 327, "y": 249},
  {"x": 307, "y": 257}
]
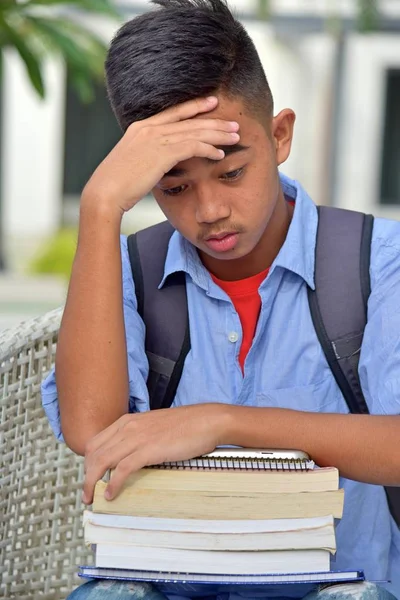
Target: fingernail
[
  {"x": 84, "y": 498},
  {"x": 221, "y": 153},
  {"x": 107, "y": 494},
  {"x": 234, "y": 124},
  {"x": 212, "y": 99}
]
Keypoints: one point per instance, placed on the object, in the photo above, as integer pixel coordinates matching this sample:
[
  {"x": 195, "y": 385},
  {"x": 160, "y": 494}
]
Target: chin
[{"x": 235, "y": 254}]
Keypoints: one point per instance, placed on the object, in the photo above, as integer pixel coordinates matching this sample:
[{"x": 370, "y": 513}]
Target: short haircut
[{"x": 182, "y": 50}]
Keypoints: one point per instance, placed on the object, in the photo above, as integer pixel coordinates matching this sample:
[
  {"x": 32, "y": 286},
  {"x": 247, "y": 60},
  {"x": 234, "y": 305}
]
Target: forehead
[{"x": 233, "y": 109}]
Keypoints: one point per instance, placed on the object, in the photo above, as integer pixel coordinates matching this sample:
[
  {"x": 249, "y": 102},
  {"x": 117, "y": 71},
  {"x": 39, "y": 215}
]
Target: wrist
[
  {"x": 96, "y": 207},
  {"x": 226, "y": 424}
]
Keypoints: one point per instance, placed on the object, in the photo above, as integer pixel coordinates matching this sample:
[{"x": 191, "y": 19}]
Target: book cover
[{"x": 190, "y": 583}]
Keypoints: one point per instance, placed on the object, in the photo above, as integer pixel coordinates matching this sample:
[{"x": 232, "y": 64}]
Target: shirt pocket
[{"x": 323, "y": 396}]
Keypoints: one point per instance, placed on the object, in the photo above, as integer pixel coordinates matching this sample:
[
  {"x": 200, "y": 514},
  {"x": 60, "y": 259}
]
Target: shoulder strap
[
  {"x": 339, "y": 304},
  {"x": 164, "y": 312}
]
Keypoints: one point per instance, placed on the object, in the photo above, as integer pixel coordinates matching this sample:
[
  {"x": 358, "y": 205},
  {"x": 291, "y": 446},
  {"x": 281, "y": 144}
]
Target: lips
[
  {"x": 223, "y": 242},
  {"x": 220, "y": 236}
]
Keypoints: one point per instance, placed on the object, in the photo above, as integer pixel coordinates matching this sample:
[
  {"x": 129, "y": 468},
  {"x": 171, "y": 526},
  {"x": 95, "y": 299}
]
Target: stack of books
[{"x": 233, "y": 512}]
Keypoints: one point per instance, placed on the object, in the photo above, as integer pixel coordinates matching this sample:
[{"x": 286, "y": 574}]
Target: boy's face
[{"x": 232, "y": 208}]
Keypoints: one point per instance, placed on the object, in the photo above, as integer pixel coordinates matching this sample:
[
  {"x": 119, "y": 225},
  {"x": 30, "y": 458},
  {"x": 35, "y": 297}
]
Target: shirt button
[{"x": 233, "y": 337}]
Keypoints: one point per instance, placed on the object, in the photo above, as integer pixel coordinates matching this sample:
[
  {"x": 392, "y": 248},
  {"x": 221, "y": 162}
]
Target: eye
[
  {"x": 174, "y": 191},
  {"x": 233, "y": 175}
]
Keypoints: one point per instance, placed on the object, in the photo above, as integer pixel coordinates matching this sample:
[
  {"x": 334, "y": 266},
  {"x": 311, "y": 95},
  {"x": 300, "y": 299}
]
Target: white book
[
  {"x": 204, "y": 525},
  {"x": 280, "y": 534},
  {"x": 119, "y": 556}
]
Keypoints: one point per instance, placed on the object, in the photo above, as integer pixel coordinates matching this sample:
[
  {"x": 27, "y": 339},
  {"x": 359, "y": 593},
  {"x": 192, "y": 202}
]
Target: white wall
[
  {"x": 362, "y": 123},
  {"x": 299, "y": 73},
  {"x": 32, "y": 155},
  {"x": 32, "y": 166}
]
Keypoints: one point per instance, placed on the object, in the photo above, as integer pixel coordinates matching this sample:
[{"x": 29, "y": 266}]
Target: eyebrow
[{"x": 175, "y": 172}]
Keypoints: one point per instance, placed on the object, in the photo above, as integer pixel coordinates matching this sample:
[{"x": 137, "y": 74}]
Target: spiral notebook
[
  {"x": 245, "y": 459},
  {"x": 239, "y": 459}
]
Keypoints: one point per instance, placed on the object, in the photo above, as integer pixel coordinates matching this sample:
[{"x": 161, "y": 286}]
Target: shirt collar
[
  {"x": 182, "y": 256},
  {"x": 297, "y": 253}
]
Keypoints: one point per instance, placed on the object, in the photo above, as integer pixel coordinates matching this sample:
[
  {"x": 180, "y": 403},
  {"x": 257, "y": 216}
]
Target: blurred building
[{"x": 345, "y": 89}]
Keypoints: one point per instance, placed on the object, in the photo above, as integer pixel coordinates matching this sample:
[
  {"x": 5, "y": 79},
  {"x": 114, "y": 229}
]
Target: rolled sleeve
[
  {"x": 137, "y": 361},
  {"x": 50, "y": 404}
]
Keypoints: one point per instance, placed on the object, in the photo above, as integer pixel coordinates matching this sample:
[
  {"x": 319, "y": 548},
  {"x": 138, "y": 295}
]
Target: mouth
[
  {"x": 223, "y": 242},
  {"x": 220, "y": 236}
]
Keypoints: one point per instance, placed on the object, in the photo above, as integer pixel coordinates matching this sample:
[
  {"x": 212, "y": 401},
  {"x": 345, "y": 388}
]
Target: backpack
[{"x": 338, "y": 307}]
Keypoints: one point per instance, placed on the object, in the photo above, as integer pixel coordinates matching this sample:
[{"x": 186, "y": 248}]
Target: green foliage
[
  {"x": 369, "y": 15},
  {"x": 264, "y": 9},
  {"x": 56, "y": 255},
  {"x": 35, "y": 28}
]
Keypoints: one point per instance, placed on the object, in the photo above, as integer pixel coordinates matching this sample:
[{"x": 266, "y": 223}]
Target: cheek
[
  {"x": 165, "y": 203},
  {"x": 175, "y": 210},
  {"x": 261, "y": 201}
]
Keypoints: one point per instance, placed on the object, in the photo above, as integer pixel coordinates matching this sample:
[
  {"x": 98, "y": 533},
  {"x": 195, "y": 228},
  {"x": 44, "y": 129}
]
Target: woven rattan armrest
[{"x": 40, "y": 479}]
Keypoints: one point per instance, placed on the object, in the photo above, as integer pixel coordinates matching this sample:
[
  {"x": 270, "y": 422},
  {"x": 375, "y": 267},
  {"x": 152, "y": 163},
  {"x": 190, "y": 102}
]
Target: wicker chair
[{"x": 40, "y": 479}]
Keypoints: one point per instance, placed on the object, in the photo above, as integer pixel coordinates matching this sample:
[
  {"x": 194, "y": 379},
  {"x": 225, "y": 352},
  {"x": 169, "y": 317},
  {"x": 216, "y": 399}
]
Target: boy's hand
[
  {"x": 138, "y": 440},
  {"x": 151, "y": 148}
]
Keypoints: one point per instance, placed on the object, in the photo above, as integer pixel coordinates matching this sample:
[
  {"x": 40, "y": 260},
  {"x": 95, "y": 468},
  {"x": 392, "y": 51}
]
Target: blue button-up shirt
[{"x": 286, "y": 367}]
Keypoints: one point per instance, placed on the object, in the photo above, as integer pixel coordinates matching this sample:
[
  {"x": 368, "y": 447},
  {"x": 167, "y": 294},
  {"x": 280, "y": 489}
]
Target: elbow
[
  {"x": 77, "y": 439},
  {"x": 76, "y": 447},
  {"x": 76, "y": 443}
]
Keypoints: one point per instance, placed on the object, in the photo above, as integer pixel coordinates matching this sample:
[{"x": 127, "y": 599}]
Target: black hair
[{"x": 182, "y": 50}]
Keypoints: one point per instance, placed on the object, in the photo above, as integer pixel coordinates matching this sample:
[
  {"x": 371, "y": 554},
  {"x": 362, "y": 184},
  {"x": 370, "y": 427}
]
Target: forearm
[
  {"x": 91, "y": 361},
  {"x": 363, "y": 447}
]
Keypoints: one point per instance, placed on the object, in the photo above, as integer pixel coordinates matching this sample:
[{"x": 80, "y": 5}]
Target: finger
[
  {"x": 130, "y": 464},
  {"x": 215, "y": 138},
  {"x": 107, "y": 457},
  {"x": 194, "y": 124},
  {"x": 184, "y": 111},
  {"x": 195, "y": 149},
  {"x": 107, "y": 434}
]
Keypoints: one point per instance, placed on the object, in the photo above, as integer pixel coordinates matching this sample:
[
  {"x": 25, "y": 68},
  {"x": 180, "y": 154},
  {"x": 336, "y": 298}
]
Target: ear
[{"x": 282, "y": 134}]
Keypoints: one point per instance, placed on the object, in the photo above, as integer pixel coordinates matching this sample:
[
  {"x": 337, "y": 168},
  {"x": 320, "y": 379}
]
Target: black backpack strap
[
  {"x": 339, "y": 304},
  {"x": 164, "y": 312}
]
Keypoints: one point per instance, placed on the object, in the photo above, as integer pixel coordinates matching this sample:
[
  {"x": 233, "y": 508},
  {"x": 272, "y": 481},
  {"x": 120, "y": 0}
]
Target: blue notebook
[{"x": 192, "y": 583}]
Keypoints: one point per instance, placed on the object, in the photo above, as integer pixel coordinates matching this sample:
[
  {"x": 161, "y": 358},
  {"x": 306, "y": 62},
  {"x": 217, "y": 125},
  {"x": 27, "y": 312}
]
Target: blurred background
[{"x": 335, "y": 62}]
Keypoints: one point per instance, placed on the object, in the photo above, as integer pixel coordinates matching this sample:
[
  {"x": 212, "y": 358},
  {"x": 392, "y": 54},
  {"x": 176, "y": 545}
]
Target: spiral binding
[{"x": 241, "y": 464}]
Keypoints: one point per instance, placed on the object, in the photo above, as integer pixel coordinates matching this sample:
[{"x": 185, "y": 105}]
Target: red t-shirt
[{"x": 247, "y": 302}]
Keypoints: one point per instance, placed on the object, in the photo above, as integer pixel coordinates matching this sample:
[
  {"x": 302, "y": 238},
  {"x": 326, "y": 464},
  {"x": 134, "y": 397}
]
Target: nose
[{"x": 211, "y": 207}]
